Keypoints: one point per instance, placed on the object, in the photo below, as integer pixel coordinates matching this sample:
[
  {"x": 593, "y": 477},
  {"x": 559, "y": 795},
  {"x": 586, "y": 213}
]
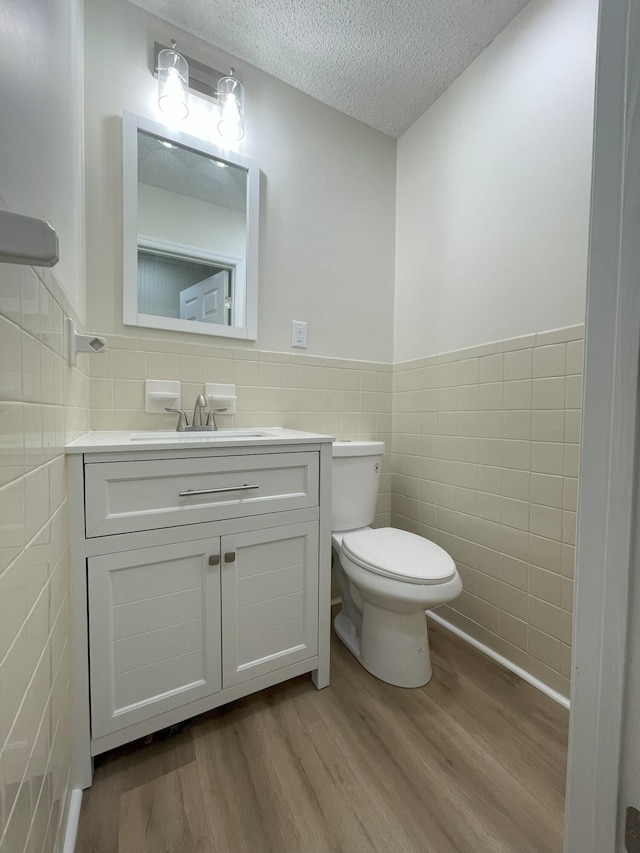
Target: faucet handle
[
  {"x": 183, "y": 423},
  {"x": 211, "y": 417}
]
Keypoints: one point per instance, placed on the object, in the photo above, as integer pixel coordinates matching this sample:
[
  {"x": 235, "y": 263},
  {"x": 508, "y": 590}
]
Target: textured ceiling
[{"x": 380, "y": 61}]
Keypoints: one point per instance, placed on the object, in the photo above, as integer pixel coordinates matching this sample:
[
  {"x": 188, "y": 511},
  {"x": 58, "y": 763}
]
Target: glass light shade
[
  {"x": 173, "y": 84},
  {"x": 230, "y": 109}
]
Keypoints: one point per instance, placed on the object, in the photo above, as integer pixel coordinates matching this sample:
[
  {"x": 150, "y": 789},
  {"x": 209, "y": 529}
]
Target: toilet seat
[{"x": 399, "y": 554}]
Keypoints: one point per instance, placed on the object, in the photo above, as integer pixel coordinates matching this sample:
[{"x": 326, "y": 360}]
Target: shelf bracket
[{"x": 82, "y": 343}]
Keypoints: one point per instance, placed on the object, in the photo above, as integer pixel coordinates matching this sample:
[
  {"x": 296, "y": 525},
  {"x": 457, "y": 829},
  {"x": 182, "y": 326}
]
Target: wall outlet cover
[{"x": 299, "y": 334}]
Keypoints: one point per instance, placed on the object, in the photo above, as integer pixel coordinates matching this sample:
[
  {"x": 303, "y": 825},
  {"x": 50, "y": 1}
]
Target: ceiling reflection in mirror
[{"x": 196, "y": 218}]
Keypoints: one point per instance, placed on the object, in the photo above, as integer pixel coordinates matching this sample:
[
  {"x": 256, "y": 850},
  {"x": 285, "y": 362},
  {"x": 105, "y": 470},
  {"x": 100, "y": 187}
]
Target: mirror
[{"x": 190, "y": 233}]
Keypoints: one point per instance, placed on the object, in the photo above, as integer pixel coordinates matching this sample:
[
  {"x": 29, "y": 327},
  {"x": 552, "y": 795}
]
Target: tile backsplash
[
  {"x": 43, "y": 404},
  {"x": 340, "y": 397},
  {"x": 485, "y": 462}
]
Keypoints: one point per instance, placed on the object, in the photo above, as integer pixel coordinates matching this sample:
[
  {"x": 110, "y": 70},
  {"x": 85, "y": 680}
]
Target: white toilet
[{"x": 388, "y": 577}]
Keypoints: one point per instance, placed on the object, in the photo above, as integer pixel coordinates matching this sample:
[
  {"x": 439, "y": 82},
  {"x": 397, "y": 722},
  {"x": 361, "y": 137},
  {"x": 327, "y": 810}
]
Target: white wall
[
  {"x": 327, "y": 214},
  {"x": 41, "y": 147},
  {"x": 493, "y": 190}
]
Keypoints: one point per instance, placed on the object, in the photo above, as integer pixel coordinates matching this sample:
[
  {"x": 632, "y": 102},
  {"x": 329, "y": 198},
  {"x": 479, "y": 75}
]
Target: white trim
[
  {"x": 505, "y": 662},
  {"x": 73, "y": 821},
  {"x": 605, "y": 503}
]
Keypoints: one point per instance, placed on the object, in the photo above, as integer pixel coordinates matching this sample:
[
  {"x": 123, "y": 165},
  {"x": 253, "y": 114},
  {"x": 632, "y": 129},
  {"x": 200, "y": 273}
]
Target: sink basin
[{"x": 189, "y": 437}]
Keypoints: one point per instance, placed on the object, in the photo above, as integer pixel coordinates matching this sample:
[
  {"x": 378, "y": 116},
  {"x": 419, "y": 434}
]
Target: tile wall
[
  {"x": 340, "y": 397},
  {"x": 43, "y": 404},
  {"x": 485, "y": 462}
]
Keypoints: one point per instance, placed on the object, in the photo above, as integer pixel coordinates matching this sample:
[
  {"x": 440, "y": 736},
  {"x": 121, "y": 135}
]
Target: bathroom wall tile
[
  {"x": 131, "y": 365},
  {"x": 514, "y": 572},
  {"x": 566, "y": 627},
  {"x": 572, "y": 425},
  {"x": 517, "y": 394},
  {"x": 547, "y": 490},
  {"x": 518, "y": 364},
  {"x": 549, "y": 393},
  {"x": 490, "y": 424},
  {"x": 567, "y": 594},
  {"x": 491, "y": 368},
  {"x": 574, "y": 392},
  {"x": 544, "y": 648},
  {"x": 547, "y": 457},
  {"x": 513, "y": 630},
  {"x": 557, "y": 336},
  {"x": 517, "y": 454},
  {"x": 545, "y": 585},
  {"x": 514, "y": 344},
  {"x": 575, "y": 357},
  {"x": 569, "y": 527},
  {"x": 571, "y": 460},
  {"x": 491, "y": 396},
  {"x": 101, "y": 394},
  {"x": 549, "y": 676},
  {"x": 10, "y": 292},
  {"x": 545, "y": 553},
  {"x": 568, "y": 560},
  {"x": 514, "y": 513},
  {"x": 515, "y": 484},
  {"x": 549, "y": 360},
  {"x": 128, "y": 394},
  {"x": 12, "y": 455},
  {"x": 158, "y": 366},
  {"x": 548, "y": 425}
]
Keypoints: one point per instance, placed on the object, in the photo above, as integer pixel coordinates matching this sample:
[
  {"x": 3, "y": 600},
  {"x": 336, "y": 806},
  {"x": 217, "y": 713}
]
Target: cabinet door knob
[
  {"x": 214, "y": 560},
  {"x": 230, "y": 557}
]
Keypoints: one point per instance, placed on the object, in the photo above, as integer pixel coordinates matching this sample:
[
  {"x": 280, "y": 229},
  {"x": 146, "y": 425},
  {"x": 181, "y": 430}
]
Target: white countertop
[{"x": 104, "y": 441}]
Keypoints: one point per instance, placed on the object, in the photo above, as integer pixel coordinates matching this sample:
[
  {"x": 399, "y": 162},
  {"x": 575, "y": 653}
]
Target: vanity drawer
[{"x": 123, "y": 497}]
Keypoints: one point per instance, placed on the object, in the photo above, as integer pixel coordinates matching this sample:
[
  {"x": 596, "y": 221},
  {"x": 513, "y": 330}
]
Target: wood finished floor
[{"x": 472, "y": 763}]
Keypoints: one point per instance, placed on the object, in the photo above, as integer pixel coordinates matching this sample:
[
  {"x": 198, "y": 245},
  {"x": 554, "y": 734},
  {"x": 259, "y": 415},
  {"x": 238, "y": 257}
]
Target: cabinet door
[
  {"x": 270, "y": 600},
  {"x": 154, "y": 631}
]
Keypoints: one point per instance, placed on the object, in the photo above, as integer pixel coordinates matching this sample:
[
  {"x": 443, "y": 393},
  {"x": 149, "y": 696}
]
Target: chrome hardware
[
  {"x": 230, "y": 557},
  {"x": 198, "y": 409},
  {"x": 183, "y": 423},
  {"x": 190, "y": 493},
  {"x": 211, "y": 417},
  {"x": 214, "y": 560}
]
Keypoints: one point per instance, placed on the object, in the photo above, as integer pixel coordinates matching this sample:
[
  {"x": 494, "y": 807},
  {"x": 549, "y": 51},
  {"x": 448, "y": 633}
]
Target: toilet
[{"x": 388, "y": 577}]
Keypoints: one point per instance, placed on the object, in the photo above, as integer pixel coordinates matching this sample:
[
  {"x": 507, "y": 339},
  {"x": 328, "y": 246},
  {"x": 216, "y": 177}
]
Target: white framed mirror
[{"x": 190, "y": 233}]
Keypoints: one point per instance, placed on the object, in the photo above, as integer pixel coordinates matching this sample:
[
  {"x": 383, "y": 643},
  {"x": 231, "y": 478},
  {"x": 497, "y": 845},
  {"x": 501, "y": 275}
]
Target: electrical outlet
[{"x": 299, "y": 334}]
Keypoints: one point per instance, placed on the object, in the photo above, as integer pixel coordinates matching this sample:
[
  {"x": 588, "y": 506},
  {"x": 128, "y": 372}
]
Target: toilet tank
[{"x": 355, "y": 483}]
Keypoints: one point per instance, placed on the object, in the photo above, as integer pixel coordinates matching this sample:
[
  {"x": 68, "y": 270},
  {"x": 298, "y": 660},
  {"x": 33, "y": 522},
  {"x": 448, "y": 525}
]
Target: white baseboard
[
  {"x": 526, "y": 676},
  {"x": 73, "y": 819}
]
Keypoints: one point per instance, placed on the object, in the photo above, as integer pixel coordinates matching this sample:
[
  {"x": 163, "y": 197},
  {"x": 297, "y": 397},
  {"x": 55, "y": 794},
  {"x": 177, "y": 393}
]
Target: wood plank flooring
[{"x": 472, "y": 763}]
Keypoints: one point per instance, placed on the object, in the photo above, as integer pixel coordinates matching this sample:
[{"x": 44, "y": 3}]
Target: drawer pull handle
[
  {"x": 230, "y": 557},
  {"x": 214, "y": 560},
  {"x": 190, "y": 493}
]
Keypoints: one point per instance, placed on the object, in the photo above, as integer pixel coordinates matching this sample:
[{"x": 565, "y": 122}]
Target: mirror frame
[{"x": 131, "y": 124}]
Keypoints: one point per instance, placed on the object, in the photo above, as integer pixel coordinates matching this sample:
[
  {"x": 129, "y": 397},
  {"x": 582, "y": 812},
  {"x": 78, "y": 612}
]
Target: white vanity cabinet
[{"x": 200, "y": 574}]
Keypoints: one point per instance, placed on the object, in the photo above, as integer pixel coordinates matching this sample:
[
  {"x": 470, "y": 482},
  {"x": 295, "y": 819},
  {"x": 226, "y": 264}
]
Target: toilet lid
[{"x": 399, "y": 554}]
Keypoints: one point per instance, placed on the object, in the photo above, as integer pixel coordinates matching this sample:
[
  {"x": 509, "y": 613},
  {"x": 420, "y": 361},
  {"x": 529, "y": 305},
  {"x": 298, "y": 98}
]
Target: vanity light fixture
[
  {"x": 173, "y": 83},
  {"x": 178, "y": 73},
  {"x": 230, "y": 108}
]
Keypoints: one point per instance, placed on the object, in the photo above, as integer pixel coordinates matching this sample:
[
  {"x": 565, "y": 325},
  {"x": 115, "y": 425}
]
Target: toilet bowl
[{"x": 388, "y": 577}]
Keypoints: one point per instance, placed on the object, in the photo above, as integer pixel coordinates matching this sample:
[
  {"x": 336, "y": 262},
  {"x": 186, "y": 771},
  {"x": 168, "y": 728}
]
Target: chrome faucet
[
  {"x": 198, "y": 409},
  {"x": 199, "y": 412}
]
